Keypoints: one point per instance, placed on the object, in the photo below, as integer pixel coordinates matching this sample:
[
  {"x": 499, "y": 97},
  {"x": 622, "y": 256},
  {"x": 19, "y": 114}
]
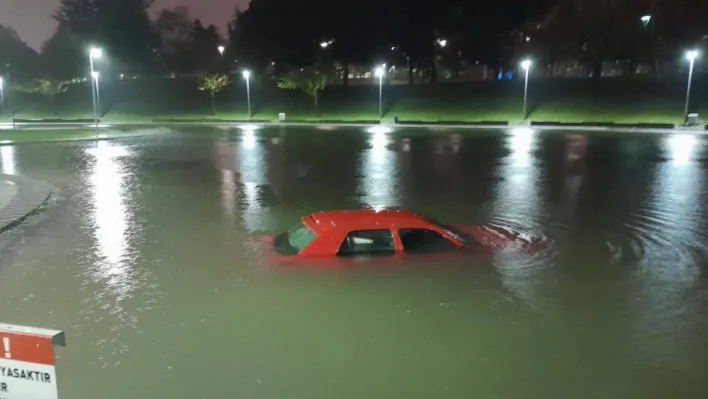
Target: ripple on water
[{"x": 656, "y": 239}]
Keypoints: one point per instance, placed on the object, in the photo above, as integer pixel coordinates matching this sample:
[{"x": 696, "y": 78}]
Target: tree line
[
  {"x": 269, "y": 33},
  {"x": 656, "y": 33},
  {"x": 278, "y": 35}
]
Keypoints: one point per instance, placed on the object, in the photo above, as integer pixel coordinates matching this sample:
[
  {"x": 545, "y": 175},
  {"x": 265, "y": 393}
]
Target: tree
[
  {"x": 46, "y": 87},
  {"x": 674, "y": 27},
  {"x": 308, "y": 80},
  {"x": 63, "y": 56},
  {"x": 289, "y": 33},
  {"x": 175, "y": 29},
  {"x": 16, "y": 58},
  {"x": 592, "y": 31},
  {"x": 214, "y": 84},
  {"x": 122, "y": 27},
  {"x": 205, "y": 47}
]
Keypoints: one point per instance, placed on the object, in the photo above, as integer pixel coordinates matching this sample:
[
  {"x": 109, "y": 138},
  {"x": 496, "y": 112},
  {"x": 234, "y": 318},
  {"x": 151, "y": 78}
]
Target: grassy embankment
[{"x": 567, "y": 100}]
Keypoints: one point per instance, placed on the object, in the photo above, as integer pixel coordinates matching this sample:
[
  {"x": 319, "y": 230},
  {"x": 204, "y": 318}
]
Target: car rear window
[
  {"x": 453, "y": 231},
  {"x": 295, "y": 240},
  {"x": 424, "y": 241}
]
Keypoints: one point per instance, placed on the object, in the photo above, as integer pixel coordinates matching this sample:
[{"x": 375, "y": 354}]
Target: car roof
[{"x": 365, "y": 219}]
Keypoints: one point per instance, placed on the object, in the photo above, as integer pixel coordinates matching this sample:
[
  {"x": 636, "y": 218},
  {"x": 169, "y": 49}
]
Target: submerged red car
[{"x": 371, "y": 233}]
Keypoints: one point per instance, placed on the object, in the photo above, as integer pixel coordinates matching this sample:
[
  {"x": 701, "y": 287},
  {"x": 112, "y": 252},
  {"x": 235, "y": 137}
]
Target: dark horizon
[{"x": 23, "y": 15}]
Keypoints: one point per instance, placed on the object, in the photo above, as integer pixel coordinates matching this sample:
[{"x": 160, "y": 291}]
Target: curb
[
  {"x": 31, "y": 196},
  {"x": 580, "y": 126},
  {"x": 177, "y": 121},
  {"x": 606, "y": 125},
  {"x": 89, "y": 138},
  {"x": 454, "y": 123}
]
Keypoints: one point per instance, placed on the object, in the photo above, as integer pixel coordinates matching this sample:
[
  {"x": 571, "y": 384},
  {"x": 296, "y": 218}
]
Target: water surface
[{"x": 148, "y": 262}]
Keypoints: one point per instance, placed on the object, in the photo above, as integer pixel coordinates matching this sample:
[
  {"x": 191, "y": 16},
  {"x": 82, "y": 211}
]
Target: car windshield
[{"x": 295, "y": 240}]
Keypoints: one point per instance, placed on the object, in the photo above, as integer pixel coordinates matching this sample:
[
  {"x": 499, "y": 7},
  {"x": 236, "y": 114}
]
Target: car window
[
  {"x": 368, "y": 243},
  {"x": 295, "y": 240},
  {"x": 417, "y": 241},
  {"x": 453, "y": 231}
]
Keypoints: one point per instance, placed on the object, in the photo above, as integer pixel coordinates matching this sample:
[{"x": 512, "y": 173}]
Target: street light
[
  {"x": 526, "y": 64},
  {"x": 96, "y": 106},
  {"x": 247, "y": 76},
  {"x": 442, "y": 42},
  {"x": 221, "y": 50},
  {"x": 95, "y": 53},
  {"x": 645, "y": 19},
  {"x": 691, "y": 57},
  {"x": 2, "y": 95},
  {"x": 379, "y": 72}
]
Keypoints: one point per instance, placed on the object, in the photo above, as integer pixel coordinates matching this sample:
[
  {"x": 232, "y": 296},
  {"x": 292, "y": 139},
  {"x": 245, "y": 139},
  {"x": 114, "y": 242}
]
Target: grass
[{"x": 566, "y": 100}]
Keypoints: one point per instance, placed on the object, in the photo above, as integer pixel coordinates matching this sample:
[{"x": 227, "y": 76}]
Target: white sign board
[{"x": 27, "y": 362}]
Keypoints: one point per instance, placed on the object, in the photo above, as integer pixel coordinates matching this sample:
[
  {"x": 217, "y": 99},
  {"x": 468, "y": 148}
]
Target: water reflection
[
  {"x": 251, "y": 165},
  {"x": 517, "y": 206},
  {"x": 110, "y": 218},
  {"x": 249, "y": 139},
  {"x": 450, "y": 172},
  {"x": 680, "y": 148},
  {"x": 7, "y": 159},
  {"x": 669, "y": 238},
  {"x": 574, "y": 167},
  {"x": 670, "y": 223},
  {"x": 518, "y": 192},
  {"x": 455, "y": 143},
  {"x": 520, "y": 143},
  {"x": 228, "y": 192},
  {"x": 378, "y": 185}
]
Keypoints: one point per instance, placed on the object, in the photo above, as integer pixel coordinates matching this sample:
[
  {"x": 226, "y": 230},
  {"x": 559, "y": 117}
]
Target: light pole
[
  {"x": 691, "y": 57},
  {"x": 2, "y": 95},
  {"x": 526, "y": 64},
  {"x": 95, "y": 53},
  {"x": 379, "y": 72},
  {"x": 97, "y": 97},
  {"x": 221, "y": 50},
  {"x": 247, "y": 76}
]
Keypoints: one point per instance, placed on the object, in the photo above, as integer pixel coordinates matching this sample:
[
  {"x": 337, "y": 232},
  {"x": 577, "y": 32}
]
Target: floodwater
[{"x": 148, "y": 262}]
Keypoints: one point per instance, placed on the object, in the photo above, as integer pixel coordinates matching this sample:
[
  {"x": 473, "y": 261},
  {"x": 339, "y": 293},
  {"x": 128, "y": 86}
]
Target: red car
[{"x": 371, "y": 233}]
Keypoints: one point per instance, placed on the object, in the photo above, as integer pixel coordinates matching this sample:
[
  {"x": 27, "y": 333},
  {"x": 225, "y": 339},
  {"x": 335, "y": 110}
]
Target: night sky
[{"x": 32, "y": 19}]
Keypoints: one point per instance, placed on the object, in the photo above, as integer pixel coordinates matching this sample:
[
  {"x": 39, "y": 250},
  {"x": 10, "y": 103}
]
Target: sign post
[{"x": 27, "y": 362}]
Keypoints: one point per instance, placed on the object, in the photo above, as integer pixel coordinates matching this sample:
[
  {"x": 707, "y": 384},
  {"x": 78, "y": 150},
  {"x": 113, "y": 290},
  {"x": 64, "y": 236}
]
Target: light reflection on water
[
  {"x": 517, "y": 206},
  {"x": 251, "y": 165},
  {"x": 110, "y": 217},
  {"x": 228, "y": 192},
  {"x": 7, "y": 159},
  {"x": 669, "y": 241},
  {"x": 518, "y": 192},
  {"x": 378, "y": 181},
  {"x": 680, "y": 148}
]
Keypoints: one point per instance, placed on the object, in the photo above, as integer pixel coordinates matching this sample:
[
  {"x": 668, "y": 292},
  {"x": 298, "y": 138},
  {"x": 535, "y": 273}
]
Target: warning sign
[{"x": 27, "y": 362}]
